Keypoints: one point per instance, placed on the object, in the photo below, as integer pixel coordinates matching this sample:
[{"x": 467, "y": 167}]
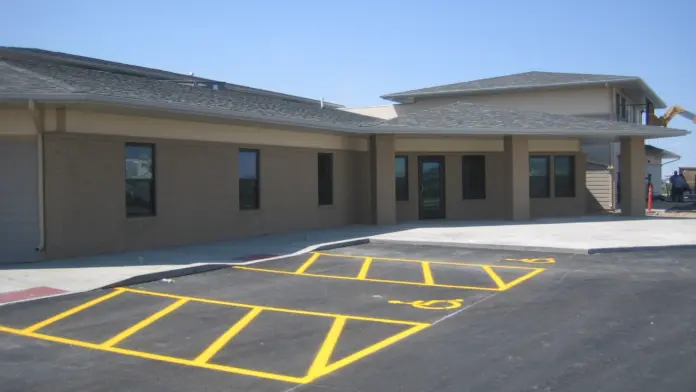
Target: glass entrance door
[{"x": 431, "y": 185}]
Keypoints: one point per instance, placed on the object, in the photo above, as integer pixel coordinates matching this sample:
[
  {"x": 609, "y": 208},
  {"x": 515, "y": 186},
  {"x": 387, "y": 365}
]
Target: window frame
[
  {"x": 330, "y": 192},
  {"x": 153, "y": 180},
  {"x": 572, "y": 176},
  {"x": 474, "y": 158},
  {"x": 257, "y": 196},
  {"x": 404, "y": 195},
  {"x": 548, "y": 193}
]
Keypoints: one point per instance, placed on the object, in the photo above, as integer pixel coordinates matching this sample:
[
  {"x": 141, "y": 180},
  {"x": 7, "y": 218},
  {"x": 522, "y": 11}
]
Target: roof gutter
[{"x": 376, "y": 128}]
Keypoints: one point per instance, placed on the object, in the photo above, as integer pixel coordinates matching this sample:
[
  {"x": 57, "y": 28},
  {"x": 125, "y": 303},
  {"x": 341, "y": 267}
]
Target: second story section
[{"x": 606, "y": 97}]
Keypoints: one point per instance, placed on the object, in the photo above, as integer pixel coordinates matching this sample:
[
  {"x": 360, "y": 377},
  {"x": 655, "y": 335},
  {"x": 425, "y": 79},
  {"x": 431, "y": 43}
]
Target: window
[
  {"x": 140, "y": 179},
  {"x": 618, "y": 107},
  {"x": 624, "y": 113},
  {"x": 474, "y": 177},
  {"x": 649, "y": 110},
  {"x": 401, "y": 168},
  {"x": 325, "y": 173},
  {"x": 248, "y": 167},
  {"x": 564, "y": 176},
  {"x": 539, "y": 176}
]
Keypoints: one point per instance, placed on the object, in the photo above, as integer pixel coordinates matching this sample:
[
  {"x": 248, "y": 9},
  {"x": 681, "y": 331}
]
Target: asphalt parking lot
[{"x": 372, "y": 318}]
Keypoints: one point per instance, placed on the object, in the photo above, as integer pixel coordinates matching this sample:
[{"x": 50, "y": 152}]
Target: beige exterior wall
[
  {"x": 563, "y": 206},
  {"x": 599, "y": 195},
  {"x": 594, "y": 101},
  {"x": 405, "y": 144},
  {"x": 196, "y": 193},
  {"x": 493, "y": 206},
  {"x": 569, "y": 101},
  {"x": 112, "y": 124},
  {"x": 16, "y": 122},
  {"x": 384, "y": 112},
  {"x": 196, "y": 183},
  {"x": 197, "y": 180}
]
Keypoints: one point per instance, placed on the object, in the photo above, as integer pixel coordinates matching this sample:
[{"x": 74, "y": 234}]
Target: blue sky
[{"x": 351, "y": 52}]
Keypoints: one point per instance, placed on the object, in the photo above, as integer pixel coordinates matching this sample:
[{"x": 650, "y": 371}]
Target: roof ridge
[{"x": 45, "y": 78}]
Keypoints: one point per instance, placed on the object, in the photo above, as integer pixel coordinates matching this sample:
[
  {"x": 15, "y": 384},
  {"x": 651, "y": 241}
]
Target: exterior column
[
  {"x": 516, "y": 161},
  {"x": 383, "y": 180},
  {"x": 632, "y": 172}
]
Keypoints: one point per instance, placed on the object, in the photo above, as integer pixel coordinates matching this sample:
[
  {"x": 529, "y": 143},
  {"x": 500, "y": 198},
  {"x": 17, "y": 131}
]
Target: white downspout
[{"x": 39, "y": 124}]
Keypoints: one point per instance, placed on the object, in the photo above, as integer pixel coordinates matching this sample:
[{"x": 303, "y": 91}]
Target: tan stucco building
[{"x": 100, "y": 157}]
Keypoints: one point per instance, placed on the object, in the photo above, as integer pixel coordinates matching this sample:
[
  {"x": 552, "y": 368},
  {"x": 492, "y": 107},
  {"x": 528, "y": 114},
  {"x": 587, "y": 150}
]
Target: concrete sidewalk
[
  {"x": 586, "y": 235},
  {"x": 574, "y": 235}
]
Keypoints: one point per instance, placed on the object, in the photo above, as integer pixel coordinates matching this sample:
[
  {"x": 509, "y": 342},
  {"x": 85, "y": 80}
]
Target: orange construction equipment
[{"x": 669, "y": 115}]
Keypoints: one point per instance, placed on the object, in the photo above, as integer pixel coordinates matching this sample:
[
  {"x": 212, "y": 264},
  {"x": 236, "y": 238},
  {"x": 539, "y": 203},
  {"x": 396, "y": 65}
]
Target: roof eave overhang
[
  {"x": 174, "y": 108},
  {"x": 579, "y": 133},
  {"x": 378, "y": 128},
  {"x": 407, "y": 97}
]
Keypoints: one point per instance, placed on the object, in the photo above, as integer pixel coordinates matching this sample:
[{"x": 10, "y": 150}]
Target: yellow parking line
[
  {"x": 369, "y": 279},
  {"x": 496, "y": 278},
  {"x": 157, "y": 357},
  {"x": 427, "y": 274},
  {"x": 365, "y": 352},
  {"x": 143, "y": 323},
  {"x": 227, "y": 336},
  {"x": 70, "y": 312},
  {"x": 324, "y": 354},
  {"x": 365, "y": 267},
  {"x": 521, "y": 279},
  {"x": 427, "y": 261},
  {"x": 307, "y": 263},
  {"x": 283, "y": 310}
]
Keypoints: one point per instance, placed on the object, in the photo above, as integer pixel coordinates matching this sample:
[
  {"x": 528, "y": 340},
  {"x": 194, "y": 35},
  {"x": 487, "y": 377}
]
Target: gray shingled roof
[
  {"x": 464, "y": 115},
  {"x": 52, "y": 82},
  {"x": 520, "y": 81},
  {"x": 664, "y": 154},
  {"x": 46, "y": 56},
  {"x": 85, "y": 81}
]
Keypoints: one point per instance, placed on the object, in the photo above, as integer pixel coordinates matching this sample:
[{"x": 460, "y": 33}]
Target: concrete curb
[
  {"x": 639, "y": 248},
  {"x": 577, "y": 251},
  {"x": 480, "y": 246},
  {"x": 207, "y": 267}
]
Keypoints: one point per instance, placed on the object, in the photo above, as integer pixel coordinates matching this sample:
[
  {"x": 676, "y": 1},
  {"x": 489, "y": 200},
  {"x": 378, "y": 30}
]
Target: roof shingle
[
  {"x": 108, "y": 84},
  {"x": 463, "y": 115},
  {"x": 515, "y": 81}
]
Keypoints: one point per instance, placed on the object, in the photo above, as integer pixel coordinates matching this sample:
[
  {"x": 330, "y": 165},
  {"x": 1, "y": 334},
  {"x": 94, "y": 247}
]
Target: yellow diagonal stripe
[
  {"x": 427, "y": 273},
  {"x": 364, "y": 352},
  {"x": 158, "y": 357},
  {"x": 307, "y": 263},
  {"x": 324, "y": 354},
  {"x": 143, "y": 323},
  {"x": 70, "y": 312},
  {"x": 365, "y": 268},
  {"x": 496, "y": 278},
  {"x": 220, "y": 342}
]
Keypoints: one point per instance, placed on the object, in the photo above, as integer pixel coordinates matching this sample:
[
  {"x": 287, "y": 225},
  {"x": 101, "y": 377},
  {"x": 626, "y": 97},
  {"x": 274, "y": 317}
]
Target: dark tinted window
[
  {"x": 539, "y": 176},
  {"x": 401, "y": 169},
  {"x": 325, "y": 174},
  {"x": 140, "y": 179},
  {"x": 248, "y": 167},
  {"x": 564, "y": 176},
  {"x": 474, "y": 177}
]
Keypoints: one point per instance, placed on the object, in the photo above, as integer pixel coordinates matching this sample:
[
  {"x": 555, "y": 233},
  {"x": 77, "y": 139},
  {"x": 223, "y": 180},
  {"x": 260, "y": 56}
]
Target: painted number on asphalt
[
  {"x": 437, "y": 304},
  {"x": 547, "y": 260}
]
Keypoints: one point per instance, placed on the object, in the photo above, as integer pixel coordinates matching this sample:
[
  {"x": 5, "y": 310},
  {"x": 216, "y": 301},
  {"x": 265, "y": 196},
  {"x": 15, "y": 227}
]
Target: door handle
[{"x": 421, "y": 189}]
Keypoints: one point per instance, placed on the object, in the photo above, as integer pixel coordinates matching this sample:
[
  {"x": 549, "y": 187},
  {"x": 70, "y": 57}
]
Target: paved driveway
[{"x": 371, "y": 318}]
